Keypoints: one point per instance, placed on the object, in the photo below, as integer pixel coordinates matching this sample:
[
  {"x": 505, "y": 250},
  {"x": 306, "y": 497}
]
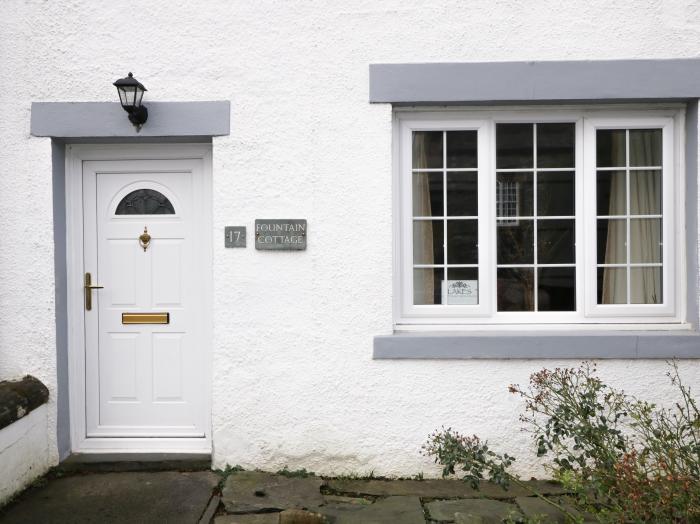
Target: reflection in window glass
[
  {"x": 515, "y": 242},
  {"x": 461, "y": 149},
  {"x": 555, "y": 145},
  {"x": 462, "y": 245},
  {"x": 461, "y": 194},
  {"x": 514, "y": 195},
  {"x": 514, "y": 146},
  {"x": 516, "y": 289},
  {"x": 556, "y": 289},
  {"x": 555, "y": 193}
]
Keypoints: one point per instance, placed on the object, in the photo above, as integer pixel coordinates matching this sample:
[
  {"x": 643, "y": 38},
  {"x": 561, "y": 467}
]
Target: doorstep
[{"x": 114, "y": 462}]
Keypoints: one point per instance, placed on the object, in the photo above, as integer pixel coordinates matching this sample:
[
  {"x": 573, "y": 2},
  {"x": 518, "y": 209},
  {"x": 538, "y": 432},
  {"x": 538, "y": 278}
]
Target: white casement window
[{"x": 547, "y": 217}]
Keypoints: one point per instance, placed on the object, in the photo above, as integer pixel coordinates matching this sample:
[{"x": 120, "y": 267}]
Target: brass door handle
[{"x": 88, "y": 291}]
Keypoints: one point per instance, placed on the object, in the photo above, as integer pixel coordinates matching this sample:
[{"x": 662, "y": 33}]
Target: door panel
[{"x": 144, "y": 379}]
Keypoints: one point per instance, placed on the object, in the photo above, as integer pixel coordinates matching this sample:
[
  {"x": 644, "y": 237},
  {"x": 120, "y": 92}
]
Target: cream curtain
[
  {"x": 423, "y": 281},
  {"x": 645, "y": 196}
]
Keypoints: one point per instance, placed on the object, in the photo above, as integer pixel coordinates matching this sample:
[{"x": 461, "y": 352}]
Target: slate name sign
[{"x": 280, "y": 234}]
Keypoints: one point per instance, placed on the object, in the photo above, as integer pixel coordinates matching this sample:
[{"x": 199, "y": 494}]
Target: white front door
[{"x": 145, "y": 339}]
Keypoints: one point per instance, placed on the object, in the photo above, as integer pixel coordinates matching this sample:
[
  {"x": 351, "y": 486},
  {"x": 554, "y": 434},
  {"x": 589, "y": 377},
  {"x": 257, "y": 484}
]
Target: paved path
[
  {"x": 107, "y": 498},
  {"x": 253, "y": 497}
]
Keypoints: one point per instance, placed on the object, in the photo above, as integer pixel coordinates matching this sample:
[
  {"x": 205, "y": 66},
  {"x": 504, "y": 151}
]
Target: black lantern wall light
[{"x": 130, "y": 95}]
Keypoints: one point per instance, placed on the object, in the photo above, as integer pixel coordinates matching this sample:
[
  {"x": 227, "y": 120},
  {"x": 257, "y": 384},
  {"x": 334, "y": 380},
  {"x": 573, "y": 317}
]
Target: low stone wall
[{"x": 24, "y": 446}]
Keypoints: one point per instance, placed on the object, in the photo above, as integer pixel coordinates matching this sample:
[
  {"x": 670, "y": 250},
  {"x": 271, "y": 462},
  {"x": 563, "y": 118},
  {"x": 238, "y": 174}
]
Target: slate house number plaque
[{"x": 280, "y": 234}]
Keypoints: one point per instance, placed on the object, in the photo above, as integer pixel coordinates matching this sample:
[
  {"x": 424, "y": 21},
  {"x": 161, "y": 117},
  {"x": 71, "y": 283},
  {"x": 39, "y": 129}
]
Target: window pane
[
  {"x": 645, "y": 147},
  {"x": 516, "y": 289},
  {"x": 462, "y": 194},
  {"x": 515, "y": 241},
  {"x": 612, "y": 285},
  {"x": 555, "y": 194},
  {"x": 427, "y": 194},
  {"x": 462, "y": 242},
  {"x": 514, "y": 148},
  {"x": 428, "y": 242},
  {"x": 556, "y": 289},
  {"x": 611, "y": 193},
  {"x": 145, "y": 202},
  {"x": 426, "y": 286},
  {"x": 645, "y": 240},
  {"x": 514, "y": 195},
  {"x": 645, "y": 192},
  {"x": 427, "y": 149},
  {"x": 611, "y": 149},
  {"x": 461, "y": 149},
  {"x": 462, "y": 286},
  {"x": 612, "y": 241},
  {"x": 555, "y": 145},
  {"x": 646, "y": 285},
  {"x": 555, "y": 242}
]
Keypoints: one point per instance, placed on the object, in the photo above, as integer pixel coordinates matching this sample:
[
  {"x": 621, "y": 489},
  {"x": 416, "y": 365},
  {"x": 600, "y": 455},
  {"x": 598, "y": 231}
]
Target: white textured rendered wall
[
  {"x": 294, "y": 382},
  {"x": 24, "y": 452}
]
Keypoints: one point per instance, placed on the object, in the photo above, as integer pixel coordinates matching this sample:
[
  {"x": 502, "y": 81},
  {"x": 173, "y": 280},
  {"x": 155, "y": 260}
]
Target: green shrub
[{"x": 622, "y": 458}]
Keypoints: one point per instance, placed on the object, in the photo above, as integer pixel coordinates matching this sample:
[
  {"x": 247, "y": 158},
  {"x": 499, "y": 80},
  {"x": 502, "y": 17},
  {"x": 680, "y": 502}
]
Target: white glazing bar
[
  {"x": 532, "y": 217},
  {"x": 542, "y": 169},
  {"x": 624, "y": 216},
  {"x": 635, "y": 265},
  {"x": 448, "y": 169},
  {"x": 620, "y": 168},
  {"x": 435, "y": 266},
  {"x": 515, "y": 266}
]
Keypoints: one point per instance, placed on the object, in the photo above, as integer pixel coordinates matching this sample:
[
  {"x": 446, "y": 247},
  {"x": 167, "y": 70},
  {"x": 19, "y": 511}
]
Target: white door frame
[{"x": 75, "y": 155}]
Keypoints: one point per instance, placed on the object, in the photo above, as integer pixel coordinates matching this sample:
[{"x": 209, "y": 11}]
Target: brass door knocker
[{"x": 145, "y": 239}]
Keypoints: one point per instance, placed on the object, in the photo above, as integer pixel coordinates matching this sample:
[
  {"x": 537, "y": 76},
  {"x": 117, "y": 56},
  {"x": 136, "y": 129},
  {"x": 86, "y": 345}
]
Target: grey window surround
[
  {"x": 535, "y": 82},
  {"x": 539, "y": 345},
  {"x": 552, "y": 82}
]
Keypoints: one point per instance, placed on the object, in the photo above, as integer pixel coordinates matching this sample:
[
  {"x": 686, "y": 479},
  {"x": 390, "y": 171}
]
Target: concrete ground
[{"x": 254, "y": 497}]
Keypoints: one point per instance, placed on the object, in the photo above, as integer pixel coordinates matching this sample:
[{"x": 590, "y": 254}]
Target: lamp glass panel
[
  {"x": 127, "y": 95},
  {"x": 139, "y": 96},
  {"x": 122, "y": 96}
]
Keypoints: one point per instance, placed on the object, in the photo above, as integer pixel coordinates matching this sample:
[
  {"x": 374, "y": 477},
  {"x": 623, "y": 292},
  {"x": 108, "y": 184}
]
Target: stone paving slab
[
  {"x": 256, "y": 491},
  {"x": 404, "y": 510},
  {"x": 534, "y": 506},
  {"x": 108, "y": 498},
  {"x": 258, "y": 518},
  {"x": 335, "y": 499},
  {"x": 290, "y": 516},
  {"x": 439, "y": 488},
  {"x": 477, "y": 510}
]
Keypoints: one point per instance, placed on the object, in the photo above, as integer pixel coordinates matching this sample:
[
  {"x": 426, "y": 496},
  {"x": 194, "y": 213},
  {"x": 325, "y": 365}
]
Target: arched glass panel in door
[{"x": 145, "y": 202}]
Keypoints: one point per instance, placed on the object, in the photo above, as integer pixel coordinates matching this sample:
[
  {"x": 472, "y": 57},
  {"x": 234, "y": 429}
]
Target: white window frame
[{"x": 669, "y": 315}]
